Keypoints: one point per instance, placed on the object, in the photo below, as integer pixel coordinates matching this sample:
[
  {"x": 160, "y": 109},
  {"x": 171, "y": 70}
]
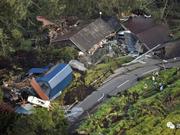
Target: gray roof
[
  {"x": 91, "y": 35},
  {"x": 148, "y": 31},
  {"x": 158, "y": 34},
  {"x": 139, "y": 24}
]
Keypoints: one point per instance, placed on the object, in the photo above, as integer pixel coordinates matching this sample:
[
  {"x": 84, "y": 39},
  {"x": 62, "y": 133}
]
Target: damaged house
[
  {"x": 148, "y": 33},
  {"x": 89, "y": 37},
  {"x": 41, "y": 86},
  {"x": 107, "y": 36}
]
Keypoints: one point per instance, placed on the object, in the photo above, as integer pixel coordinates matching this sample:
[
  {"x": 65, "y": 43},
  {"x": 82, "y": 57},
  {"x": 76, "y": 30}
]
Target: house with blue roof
[{"x": 55, "y": 80}]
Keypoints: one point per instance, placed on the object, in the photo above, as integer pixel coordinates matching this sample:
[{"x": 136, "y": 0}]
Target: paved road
[
  {"x": 122, "y": 82},
  {"x": 117, "y": 83}
]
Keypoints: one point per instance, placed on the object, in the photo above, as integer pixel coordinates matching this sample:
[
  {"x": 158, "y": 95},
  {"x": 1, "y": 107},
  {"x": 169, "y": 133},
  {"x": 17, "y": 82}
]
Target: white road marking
[
  {"x": 123, "y": 84},
  {"x": 150, "y": 71},
  {"x": 101, "y": 97}
]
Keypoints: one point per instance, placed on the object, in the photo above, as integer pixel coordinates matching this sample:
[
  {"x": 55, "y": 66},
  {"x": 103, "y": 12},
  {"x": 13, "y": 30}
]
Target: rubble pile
[
  {"x": 60, "y": 27},
  {"x": 37, "y": 88},
  {"x": 12, "y": 83},
  {"x": 15, "y": 92}
]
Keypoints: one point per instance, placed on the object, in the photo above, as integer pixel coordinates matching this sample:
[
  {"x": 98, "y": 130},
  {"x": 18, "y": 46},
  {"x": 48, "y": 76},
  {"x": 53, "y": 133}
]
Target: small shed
[{"x": 55, "y": 81}]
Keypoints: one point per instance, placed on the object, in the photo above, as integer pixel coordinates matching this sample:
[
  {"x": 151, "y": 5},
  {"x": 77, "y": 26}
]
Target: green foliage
[
  {"x": 104, "y": 69},
  {"x": 17, "y": 17},
  {"x": 133, "y": 113},
  {"x": 7, "y": 120},
  {"x": 26, "y": 45},
  {"x": 54, "y": 55},
  {"x": 26, "y": 57},
  {"x": 41, "y": 122},
  {"x": 16, "y": 34},
  {"x": 91, "y": 8}
]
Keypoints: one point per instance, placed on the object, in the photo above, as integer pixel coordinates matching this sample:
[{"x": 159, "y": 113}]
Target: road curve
[
  {"x": 115, "y": 85},
  {"x": 122, "y": 82}
]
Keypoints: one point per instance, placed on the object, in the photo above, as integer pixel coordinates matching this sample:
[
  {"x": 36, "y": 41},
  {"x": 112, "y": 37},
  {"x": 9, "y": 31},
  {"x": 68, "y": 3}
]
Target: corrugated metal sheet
[
  {"x": 91, "y": 35},
  {"x": 55, "y": 92},
  {"x": 38, "y": 89},
  {"x": 57, "y": 79}
]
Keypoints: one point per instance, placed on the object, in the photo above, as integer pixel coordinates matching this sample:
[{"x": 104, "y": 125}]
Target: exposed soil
[{"x": 78, "y": 93}]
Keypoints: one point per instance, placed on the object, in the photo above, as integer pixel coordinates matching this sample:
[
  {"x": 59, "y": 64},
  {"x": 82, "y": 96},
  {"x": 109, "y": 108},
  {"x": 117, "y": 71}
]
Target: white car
[{"x": 40, "y": 102}]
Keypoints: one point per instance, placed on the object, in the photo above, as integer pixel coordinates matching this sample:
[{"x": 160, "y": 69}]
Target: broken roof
[
  {"x": 86, "y": 38},
  {"x": 70, "y": 32},
  {"x": 158, "y": 34},
  {"x": 138, "y": 24},
  {"x": 113, "y": 22},
  {"x": 148, "y": 31}
]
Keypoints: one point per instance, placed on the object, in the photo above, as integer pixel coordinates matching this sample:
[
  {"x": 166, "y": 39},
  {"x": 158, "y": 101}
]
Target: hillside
[
  {"x": 27, "y": 28},
  {"x": 142, "y": 110}
]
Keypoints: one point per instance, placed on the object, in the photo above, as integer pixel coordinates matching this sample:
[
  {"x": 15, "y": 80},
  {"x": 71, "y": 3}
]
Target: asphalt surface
[
  {"x": 123, "y": 79},
  {"x": 121, "y": 82}
]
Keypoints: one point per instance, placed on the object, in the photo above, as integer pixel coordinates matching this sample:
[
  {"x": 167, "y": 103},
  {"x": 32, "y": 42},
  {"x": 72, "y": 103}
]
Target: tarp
[
  {"x": 39, "y": 70},
  {"x": 24, "y": 109}
]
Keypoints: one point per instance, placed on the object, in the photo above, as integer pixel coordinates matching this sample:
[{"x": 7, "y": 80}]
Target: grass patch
[
  {"x": 104, "y": 69},
  {"x": 134, "y": 113}
]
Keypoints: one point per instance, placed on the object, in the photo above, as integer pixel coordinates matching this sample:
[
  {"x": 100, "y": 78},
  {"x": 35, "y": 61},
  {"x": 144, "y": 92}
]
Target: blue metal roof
[
  {"x": 56, "y": 69},
  {"x": 56, "y": 79},
  {"x": 55, "y": 92}
]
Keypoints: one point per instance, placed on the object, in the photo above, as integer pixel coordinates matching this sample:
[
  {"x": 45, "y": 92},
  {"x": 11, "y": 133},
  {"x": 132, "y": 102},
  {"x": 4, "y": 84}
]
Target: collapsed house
[
  {"x": 90, "y": 37},
  {"x": 38, "y": 91},
  {"x": 148, "y": 33},
  {"x": 107, "y": 36},
  {"x": 134, "y": 36}
]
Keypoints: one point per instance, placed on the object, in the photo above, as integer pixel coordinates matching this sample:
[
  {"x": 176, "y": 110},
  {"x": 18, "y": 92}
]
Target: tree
[
  {"x": 12, "y": 12},
  {"x": 18, "y": 20},
  {"x": 41, "y": 121}
]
